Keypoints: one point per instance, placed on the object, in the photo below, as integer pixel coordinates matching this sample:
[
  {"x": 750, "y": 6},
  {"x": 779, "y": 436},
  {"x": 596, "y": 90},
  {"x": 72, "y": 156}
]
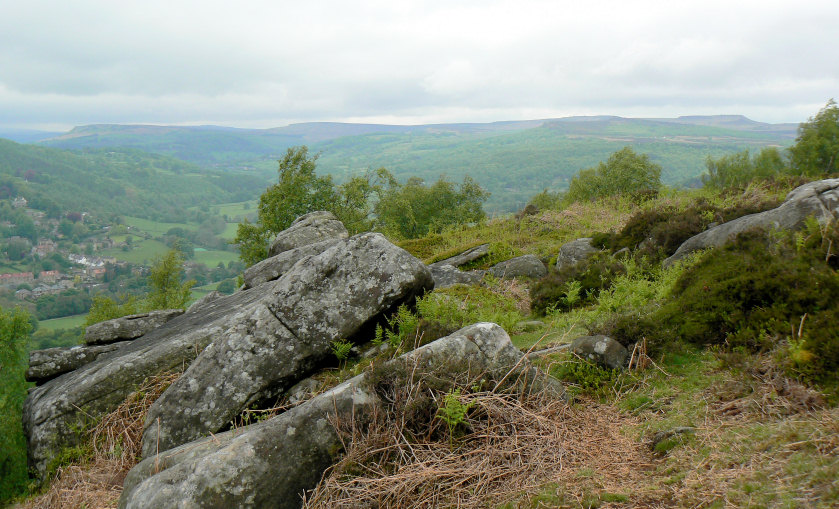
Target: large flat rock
[
  {"x": 818, "y": 199},
  {"x": 322, "y": 299}
]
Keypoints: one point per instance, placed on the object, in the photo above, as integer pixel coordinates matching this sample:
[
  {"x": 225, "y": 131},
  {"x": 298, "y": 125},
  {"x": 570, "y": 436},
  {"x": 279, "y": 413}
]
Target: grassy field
[
  {"x": 65, "y": 322},
  {"x": 211, "y": 258},
  {"x": 155, "y": 228},
  {"x": 142, "y": 252}
]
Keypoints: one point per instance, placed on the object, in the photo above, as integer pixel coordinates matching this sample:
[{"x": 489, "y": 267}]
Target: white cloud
[{"x": 266, "y": 63}]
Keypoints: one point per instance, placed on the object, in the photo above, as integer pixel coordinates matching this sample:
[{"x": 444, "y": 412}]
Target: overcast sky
[{"x": 271, "y": 63}]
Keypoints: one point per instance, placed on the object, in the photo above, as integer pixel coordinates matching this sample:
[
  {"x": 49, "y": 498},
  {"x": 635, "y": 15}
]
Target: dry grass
[
  {"x": 96, "y": 482},
  {"x": 513, "y": 447}
]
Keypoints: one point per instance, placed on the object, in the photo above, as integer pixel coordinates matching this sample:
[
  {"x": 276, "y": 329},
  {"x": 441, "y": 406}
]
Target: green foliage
[
  {"x": 106, "y": 308},
  {"x": 739, "y": 169},
  {"x": 402, "y": 326},
  {"x": 14, "y": 335},
  {"x": 586, "y": 377},
  {"x": 299, "y": 191},
  {"x": 453, "y": 411},
  {"x": 625, "y": 172},
  {"x": 402, "y": 211},
  {"x": 118, "y": 180},
  {"x": 576, "y": 285},
  {"x": 166, "y": 291},
  {"x": 817, "y": 145},
  {"x": 457, "y": 306},
  {"x": 341, "y": 349},
  {"x": 415, "y": 209},
  {"x": 547, "y": 200},
  {"x": 657, "y": 233}
]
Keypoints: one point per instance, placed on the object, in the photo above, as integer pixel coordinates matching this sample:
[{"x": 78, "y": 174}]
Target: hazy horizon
[{"x": 261, "y": 64}]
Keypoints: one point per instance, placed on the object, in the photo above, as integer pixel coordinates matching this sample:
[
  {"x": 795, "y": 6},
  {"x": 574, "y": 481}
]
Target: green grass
[
  {"x": 65, "y": 322},
  {"x": 211, "y": 258},
  {"x": 236, "y": 209},
  {"x": 142, "y": 252},
  {"x": 229, "y": 231}
]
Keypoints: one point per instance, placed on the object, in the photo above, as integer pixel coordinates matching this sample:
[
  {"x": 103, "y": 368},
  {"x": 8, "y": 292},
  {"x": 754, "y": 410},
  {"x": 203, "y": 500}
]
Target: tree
[
  {"x": 739, "y": 169},
  {"x": 625, "y": 172},
  {"x": 166, "y": 292},
  {"x": 299, "y": 191},
  {"x": 817, "y": 145},
  {"x": 14, "y": 335},
  {"x": 415, "y": 209}
]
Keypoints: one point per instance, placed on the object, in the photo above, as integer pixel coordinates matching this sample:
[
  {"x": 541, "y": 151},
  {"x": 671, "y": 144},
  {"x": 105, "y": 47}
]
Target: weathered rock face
[
  {"x": 309, "y": 229},
  {"x": 128, "y": 327},
  {"x": 521, "y": 266},
  {"x": 271, "y": 464},
  {"x": 272, "y": 268},
  {"x": 448, "y": 275},
  {"x": 464, "y": 257},
  {"x": 44, "y": 365},
  {"x": 54, "y": 412},
  {"x": 268, "y": 349},
  {"x": 602, "y": 350},
  {"x": 819, "y": 199},
  {"x": 574, "y": 252}
]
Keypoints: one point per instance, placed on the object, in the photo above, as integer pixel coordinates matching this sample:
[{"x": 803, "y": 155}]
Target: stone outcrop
[
  {"x": 128, "y": 327},
  {"x": 449, "y": 275},
  {"x": 601, "y": 349},
  {"x": 574, "y": 252},
  {"x": 44, "y": 365},
  {"x": 308, "y": 229},
  {"x": 271, "y": 463},
  {"x": 306, "y": 308},
  {"x": 54, "y": 412},
  {"x": 269, "y": 348},
  {"x": 272, "y": 268},
  {"x": 465, "y": 257},
  {"x": 520, "y": 266},
  {"x": 819, "y": 199}
]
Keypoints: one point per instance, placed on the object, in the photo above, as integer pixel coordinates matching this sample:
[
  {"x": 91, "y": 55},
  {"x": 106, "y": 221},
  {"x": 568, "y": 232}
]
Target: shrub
[{"x": 575, "y": 286}]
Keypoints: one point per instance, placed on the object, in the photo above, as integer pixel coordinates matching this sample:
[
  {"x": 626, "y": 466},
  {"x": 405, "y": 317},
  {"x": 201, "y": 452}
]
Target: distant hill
[
  {"x": 117, "y": 181},
  {"x": 26, "y": 135},
  {"x": 514, "y": 159}
]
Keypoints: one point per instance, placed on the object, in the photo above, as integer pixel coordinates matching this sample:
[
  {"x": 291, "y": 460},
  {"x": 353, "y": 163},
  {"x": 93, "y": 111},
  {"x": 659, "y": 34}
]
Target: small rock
[
  {"x": 520, "y": 266},
  {"x": 574, "y": 252},
  {"x": 601, "y": 349},
  {"x": 465, "y": 257},
  {"x": 449, "y": 275}
]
